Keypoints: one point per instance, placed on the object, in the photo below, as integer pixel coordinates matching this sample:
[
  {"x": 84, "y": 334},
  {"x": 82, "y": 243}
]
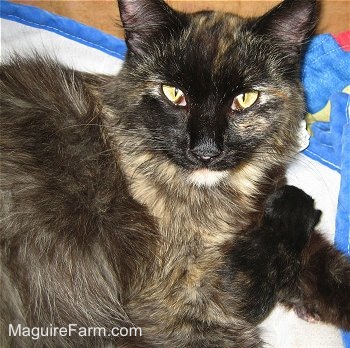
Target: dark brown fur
[{"x": 100, "y": 226}]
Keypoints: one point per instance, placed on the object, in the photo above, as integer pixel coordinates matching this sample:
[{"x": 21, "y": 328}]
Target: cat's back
[
  {"x": 68, "y": 226},
  {"x": 32, "y": 86},
  {"x": 55, "y": 159}
]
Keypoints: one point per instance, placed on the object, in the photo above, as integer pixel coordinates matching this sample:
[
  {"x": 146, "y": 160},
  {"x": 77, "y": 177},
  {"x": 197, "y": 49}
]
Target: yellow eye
[
  {"x": 175, "y": 95},
  {"x": 245, "y": 100}
]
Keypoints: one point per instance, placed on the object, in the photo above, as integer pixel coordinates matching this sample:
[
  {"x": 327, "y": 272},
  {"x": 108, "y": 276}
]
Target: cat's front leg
[
  {"x": 321, "y": 290},
  {"x": 263, "y": 263}
]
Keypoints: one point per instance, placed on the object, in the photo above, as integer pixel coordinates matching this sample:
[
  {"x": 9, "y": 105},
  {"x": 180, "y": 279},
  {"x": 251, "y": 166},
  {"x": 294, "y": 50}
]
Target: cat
[{"x": 157, "y": 199}]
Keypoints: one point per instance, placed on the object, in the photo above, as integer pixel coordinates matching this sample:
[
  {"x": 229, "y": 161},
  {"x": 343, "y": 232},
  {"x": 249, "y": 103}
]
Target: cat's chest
[
  {"x": 196, "y": 236},
  {"x": 208, "y": 223},
  {"x": 188, "y": 219},
  {"x": 192, "y": 239},
  {"x": 192, "y": 234},
  {"x": 188, "y": 278}
]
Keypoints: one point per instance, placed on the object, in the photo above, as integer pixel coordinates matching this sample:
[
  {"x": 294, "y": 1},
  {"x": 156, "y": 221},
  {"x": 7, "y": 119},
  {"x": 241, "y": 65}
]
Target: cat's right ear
[
  {"x": 146, "y": 21},
  {"x": 290, "y": 23}
]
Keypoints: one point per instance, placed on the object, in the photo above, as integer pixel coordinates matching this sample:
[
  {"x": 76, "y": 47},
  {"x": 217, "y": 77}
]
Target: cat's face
[{"x": 210, "y": 91}]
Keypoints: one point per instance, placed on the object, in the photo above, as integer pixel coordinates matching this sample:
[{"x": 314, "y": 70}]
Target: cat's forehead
[
  {"x": 216, "y": 30},
  {"x": 212, "y": 48},
  {"x": 212, "y": 21}
]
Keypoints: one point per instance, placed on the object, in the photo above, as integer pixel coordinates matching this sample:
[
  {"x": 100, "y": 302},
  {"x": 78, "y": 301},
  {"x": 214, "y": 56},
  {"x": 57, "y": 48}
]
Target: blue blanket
[{"x": 325, "y": 74}]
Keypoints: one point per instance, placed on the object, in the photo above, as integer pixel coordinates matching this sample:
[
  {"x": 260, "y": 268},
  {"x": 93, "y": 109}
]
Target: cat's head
[{"x": 211, "y": 91}]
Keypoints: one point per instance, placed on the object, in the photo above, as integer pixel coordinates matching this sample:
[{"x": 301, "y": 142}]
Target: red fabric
[{"x": 343, "y": 40}]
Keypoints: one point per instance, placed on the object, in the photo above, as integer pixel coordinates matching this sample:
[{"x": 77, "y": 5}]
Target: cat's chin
[{"x": 206, "y": 177}]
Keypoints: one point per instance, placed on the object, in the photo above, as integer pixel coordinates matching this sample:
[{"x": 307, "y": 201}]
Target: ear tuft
[{"x": 145, "y": 21}]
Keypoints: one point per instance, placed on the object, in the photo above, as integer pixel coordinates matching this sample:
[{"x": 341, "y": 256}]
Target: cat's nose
[{"x": 205, "y": 153}]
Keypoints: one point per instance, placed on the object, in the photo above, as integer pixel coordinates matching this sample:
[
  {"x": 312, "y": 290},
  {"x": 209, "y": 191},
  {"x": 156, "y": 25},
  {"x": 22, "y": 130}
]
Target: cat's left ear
[
  {"x": 290, "y": 23},
  {"x": 145, "y": 21}
]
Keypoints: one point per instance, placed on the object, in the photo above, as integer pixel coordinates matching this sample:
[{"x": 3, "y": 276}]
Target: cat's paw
[{"x": 290, "y": 212}]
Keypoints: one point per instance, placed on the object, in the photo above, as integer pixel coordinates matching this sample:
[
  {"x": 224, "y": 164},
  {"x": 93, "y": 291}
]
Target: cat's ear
[
  {"x": 145, "y": 21},
  {"x": 290, "y": 23}
]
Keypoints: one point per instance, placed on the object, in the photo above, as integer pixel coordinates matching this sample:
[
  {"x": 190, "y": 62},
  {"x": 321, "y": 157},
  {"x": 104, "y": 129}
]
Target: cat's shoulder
[
  {"x": 43, "y": 83},
  {"x": 51, "y": 122},
  {"x": 43, "y": 101}
]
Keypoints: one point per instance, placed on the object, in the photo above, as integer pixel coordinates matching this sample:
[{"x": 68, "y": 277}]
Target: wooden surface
[{"x": 103, "y": 14}]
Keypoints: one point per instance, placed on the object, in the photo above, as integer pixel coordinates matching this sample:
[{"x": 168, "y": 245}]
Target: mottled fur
[{"x": 101, "y": 225}]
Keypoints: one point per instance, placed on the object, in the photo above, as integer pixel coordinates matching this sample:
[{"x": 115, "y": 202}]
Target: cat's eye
[
  {"x": 175, "y": 95},
  {"x": 245, "y": 100}
]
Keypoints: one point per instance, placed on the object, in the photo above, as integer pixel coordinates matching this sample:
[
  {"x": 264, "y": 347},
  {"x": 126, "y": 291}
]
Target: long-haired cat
[{"x": 156, "y": 198}]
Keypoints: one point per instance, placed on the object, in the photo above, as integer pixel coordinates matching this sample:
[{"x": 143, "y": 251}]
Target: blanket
[
  {"x": 326, "y": 78},
  {"x": 322, "y": 170}
]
